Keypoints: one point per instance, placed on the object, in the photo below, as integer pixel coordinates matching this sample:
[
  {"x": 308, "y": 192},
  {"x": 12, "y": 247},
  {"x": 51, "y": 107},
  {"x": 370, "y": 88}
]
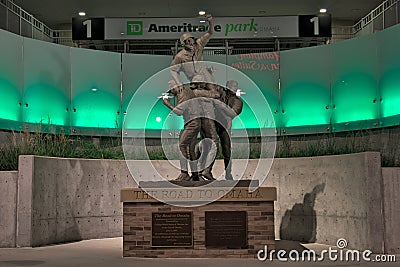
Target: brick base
[{"x": 137, "y": 230}]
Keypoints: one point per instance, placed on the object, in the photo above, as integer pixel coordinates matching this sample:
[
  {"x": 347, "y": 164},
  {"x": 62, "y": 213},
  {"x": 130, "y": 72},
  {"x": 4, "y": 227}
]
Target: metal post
[
  {"x": 126, "y": 46},
  {"x": 226, "y": 51},
  {"x": 31, "y": 25},
  {"x": 176, "y": 48},
  {"x": 121, "y": 112},
  {"x": 20, "y": 21},
  {"x": 277, "y": 45},
  {"x": 278, "y": 50},
  {"x": 226, "y": 58},
  {"x": 6, "y": 7},
  {"x": 383, "y": 18}
]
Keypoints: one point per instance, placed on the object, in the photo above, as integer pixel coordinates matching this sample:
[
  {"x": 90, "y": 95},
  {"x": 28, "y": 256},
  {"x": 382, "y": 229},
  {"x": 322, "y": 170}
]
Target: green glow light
[
  {"x": 95, "y": 109},
  {"x": 390, "y": 93},
  {"x": 159, "y": 111},
  {"x": 304, "y": 104},
  {"x": 306, "y": 76},
  {"x": 271, "y": 96},
  {"x": 46, "y": 105},
  {"x": 353, "y": 96},
  {"x": 9, "y": 95},
  {"x": 249, "y": 120}
]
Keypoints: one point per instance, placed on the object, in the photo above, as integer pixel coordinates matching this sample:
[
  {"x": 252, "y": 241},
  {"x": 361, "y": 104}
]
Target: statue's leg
[
  {"x": 200, "y": 151},
  {"x": 209, "y": 131},
  {"x": 192, "y": 151},
  {"x": 193, "y": 160},
  {"x": 226, "y": 152},
  {"x": 224, "y": 137},
  {"x": 184, "y": 175},
  {"x": 191, "y": 129}
]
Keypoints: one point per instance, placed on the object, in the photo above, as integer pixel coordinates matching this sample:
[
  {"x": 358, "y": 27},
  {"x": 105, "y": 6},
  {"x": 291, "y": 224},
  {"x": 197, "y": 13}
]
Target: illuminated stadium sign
[{"x": 224, "y": 27}]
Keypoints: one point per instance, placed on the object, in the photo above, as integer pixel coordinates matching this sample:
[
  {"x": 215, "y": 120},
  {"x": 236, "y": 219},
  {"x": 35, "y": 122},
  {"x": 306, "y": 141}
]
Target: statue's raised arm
[{"x": 192, "y": 52}]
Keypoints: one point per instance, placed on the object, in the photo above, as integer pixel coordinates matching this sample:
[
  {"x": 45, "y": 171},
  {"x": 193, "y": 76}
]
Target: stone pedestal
[{"x": 237, "y": 225}]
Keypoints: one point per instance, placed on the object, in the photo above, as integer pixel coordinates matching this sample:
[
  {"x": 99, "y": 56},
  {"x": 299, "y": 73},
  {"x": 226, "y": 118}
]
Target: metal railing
[
  {"x": 63, "y": 37},
  {"x": 375, "y": 14},
  {"x": 38, "y": 29},
  {"x": 340, "y": 33}
]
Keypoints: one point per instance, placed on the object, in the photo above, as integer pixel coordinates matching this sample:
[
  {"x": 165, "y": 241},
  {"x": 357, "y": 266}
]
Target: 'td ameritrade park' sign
[
  {"x": 224, "y": 27},
  {"x": 245, "y": 27}
]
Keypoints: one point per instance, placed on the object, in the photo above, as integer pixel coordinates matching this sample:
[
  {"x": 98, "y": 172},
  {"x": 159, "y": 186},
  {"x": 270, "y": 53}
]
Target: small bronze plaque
[
  {"x": 172, "y": 229},
  {"x": 226, "y": 229}
]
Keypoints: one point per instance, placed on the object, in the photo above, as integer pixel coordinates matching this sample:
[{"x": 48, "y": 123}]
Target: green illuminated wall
[
  {"x": 95, "y": 90},
  {"x": 389, "y": 72},
  {"x": 46, "y": 89},
  {"x": 136, "y": 70},
  {"x": 305, "y": 90},
  {"x": 264, "y": 71},
  {"x": 354, "y": 81},
  {"x": 10, "y": 80},
  {"x": 353, "y": 84}
]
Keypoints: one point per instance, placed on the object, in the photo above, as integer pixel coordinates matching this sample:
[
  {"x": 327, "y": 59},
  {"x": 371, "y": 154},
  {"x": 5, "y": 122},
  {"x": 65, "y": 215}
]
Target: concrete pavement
[{"x": 108, "y": 252}]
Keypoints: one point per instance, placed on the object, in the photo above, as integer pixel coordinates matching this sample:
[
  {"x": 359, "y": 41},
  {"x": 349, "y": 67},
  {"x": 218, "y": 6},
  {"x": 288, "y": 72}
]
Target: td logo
[{"x": 134, "y": 28}]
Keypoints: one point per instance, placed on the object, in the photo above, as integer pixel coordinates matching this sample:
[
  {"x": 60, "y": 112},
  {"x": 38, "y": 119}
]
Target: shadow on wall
[{"x": 300, "y": 222}]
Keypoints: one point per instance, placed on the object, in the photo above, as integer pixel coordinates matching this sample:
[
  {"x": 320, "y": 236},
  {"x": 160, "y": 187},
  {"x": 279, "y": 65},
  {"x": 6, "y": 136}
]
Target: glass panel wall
[
  {"x": 349, "y": 85},
  {"x": 10, "y": 80},
  {"x": 355, "y": 95},
  {"x": 46, "y": 91},
  {"x": 305, "y": 90},
  {"x": 389, "y": 70},
  {"x": 95, "y": 91}
]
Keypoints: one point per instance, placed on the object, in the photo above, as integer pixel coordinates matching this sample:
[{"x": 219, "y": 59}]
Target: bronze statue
[
  {"x": 190, "y": 131},
  {"x": 205, "y": 109},
  {"x": 206, "y": 92},
  {"x": 231, "y": 107},
  {"x": 189, "y": 58}
]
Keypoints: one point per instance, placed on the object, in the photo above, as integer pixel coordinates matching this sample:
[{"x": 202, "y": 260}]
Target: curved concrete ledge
[{"x": 320, "y": 199}]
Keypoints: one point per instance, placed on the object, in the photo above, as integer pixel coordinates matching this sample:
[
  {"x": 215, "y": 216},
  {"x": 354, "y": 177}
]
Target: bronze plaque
[
  {"x": 226, "y": 229},
  {"x": 172, "y": 229}
]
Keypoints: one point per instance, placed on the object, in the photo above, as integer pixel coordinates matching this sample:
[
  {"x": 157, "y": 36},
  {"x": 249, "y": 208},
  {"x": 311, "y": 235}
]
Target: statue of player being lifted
[{"x": 189, "y": 61}]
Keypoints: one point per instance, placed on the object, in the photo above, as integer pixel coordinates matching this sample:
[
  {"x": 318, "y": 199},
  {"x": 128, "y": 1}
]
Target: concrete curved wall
[{"x": 320, "y": 199}]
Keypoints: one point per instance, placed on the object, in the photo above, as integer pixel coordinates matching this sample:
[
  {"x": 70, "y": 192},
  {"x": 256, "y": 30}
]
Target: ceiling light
[
  {"x": 322, "y": 10},
  {"x": 202, "y": 21},
  {"x": 82, "y": 14},
  {"x": 202, "y": 13},
  {"x": 94, "y": 89}
]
